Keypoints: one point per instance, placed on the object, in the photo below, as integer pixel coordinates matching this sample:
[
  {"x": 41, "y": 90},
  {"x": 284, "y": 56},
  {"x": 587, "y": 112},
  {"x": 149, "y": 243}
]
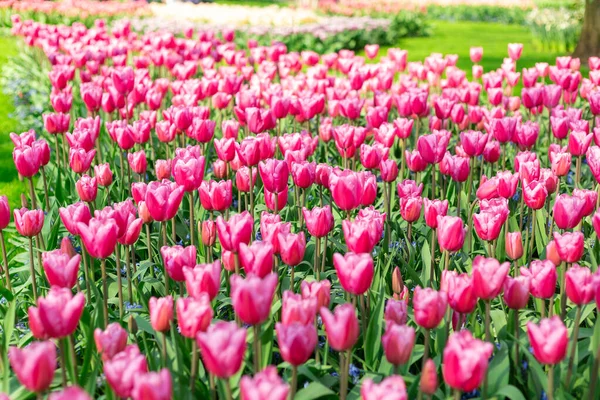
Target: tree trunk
[{"x": 589, "y": 41}]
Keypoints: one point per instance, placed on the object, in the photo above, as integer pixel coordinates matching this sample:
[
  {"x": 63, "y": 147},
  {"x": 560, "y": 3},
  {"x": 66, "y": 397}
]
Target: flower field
[{"x": 210, "y": 216}]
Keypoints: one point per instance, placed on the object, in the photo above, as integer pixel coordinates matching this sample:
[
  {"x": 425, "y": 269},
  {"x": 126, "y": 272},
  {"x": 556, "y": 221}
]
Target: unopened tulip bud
[
  {"x": 429, "y": 379},
  {"x": 397, "y": 282}
]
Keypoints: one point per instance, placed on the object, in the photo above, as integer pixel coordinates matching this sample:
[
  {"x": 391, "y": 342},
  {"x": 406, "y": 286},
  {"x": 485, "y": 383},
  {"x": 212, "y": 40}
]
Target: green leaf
[
  {"x": 541, "y": 239},
  {"x": 314, "y": 390},
  {"x": 426, "y": 261},
  {"x": 499, "y": 370},
  {"x": 510, "y": 392},
  {"x": 499, "y": 321},
  {"x": 372, "y": 340}
]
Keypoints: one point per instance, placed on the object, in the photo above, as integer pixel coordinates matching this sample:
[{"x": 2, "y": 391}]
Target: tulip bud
[
  {"x": 513, "y": 245},
  {"x": 161, "y": 313},
  {"x": 397, "y": 282},
  {"x": 428, "y": 383}
]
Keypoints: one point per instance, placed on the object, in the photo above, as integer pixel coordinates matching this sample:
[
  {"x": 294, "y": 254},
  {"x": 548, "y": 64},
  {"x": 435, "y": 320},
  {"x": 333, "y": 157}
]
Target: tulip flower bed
[
  {"x": 68, "y": 12},
  {"x": 206, "y": 220}
]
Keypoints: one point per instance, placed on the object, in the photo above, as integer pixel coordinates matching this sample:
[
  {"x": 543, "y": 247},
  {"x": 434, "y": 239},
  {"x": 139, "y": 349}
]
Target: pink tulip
[
  {"x": 465, "y": 361},
  {"x": 543, "y": 278},
  {"x": 567, "y": 211},
  {"x": 111, "y": 341},
  {"x": 549, "y": 340},
  {"x": 398, "y": 342},
  {"x": 341, "y": 326},
  {"x": 27, "y": 161},
  {"x": 99, "y": 236},
  {"x": 516, "y": 291},
  {"x": 579, "y": 285},
  {"x": 203, "y": 278},
  {"x": 122, "y": 370},
  {"x": 216, "y": 196},
  {"x": 257, "y": 258},
  {"x": 488, "y": 277},
  {"x": 433, "y": 209},
  {"x": 4, "y": 212},
  {"x": 34, "y": 365},
  {"x": 104, "y": 175},
  {"x": 252, "y": 297},
  {"x": 265, "y": 385},
  {"x": 450, "y": 233},
  {"x": 296, "y": 341},
  {"x": 61, "y": 269},
  {"x": 513, "y": 244},
  {"x": 235, "y": 231},
  {"x": 355, "y": 271},
  {"x": 28, "y": 222},
  {"x": 319, "y": 220},
  {"x": 569, "y": 246},
  {"x": 193, "y": 315},
  {"x": 176, "y": 258},
  {"x": 429, "y": 380},
  {"x": 81, "y": 160},
  {"x": 188, "y": 172},
  {"x": 59, "y": 312},
  {"x": 462, "y": 296},
  {"x": 489, "y": 224},
  {"x": 161, "y": 313},
  {"x": 87, "y": 188},
  {"x": 432, "y": 147},
  {"x": 291, "y": 247},
  {"x": 70, "y": 393},
  {"x": 346, "y": 189},
  {"x": 223, "y": 346},
  {"x": 317, "y": 289},
  {"x": 163, "y": 199},
  {"x": 153, "y": 386},
  {"x": 296, "y": 308},
  {"x": 391, "y": 388},
  {"x": 429, "y": 307},
  {"x": 209, "y": 233}
]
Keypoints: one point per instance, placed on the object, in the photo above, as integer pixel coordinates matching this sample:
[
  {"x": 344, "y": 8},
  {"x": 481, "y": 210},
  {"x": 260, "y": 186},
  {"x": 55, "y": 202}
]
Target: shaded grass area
[
  {"x": 9, "y": 181},
  {"x": 457, "y": 37}
]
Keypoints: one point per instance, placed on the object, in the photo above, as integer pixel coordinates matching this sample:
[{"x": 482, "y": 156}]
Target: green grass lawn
[
  {"x": 9, "y": 181},
  {"x": 458, "y": 37}
]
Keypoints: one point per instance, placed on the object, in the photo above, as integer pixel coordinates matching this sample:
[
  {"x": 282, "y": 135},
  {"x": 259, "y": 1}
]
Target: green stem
[
  {"x": 191, "y": 197},
  {"x": 432, "y": 263},
  {"x": 294, "y": 385},
  {"x": 5, "y": 262},
  {"x": 194, "y": 367},
  {"x": 32, "y": 194},
  {"x": 63, "y": 362},
  {"x": 164, "y": 348},
  {"x": 550, "y": 392},
  {"x": 563, "y": 293},
  {"x": 86, "y": 271},
  {"x": 228, "y": 394},
  {"x": 256, "y": 344},
  {"x": 128, "y": 272},
  {"x": 104, "y": 291},
  {"x": 119, "y": 280},
  {"x": 73, "y": 357},
  {"x": 573, "y": 347},
  {"x": 32, "y": 271}
]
